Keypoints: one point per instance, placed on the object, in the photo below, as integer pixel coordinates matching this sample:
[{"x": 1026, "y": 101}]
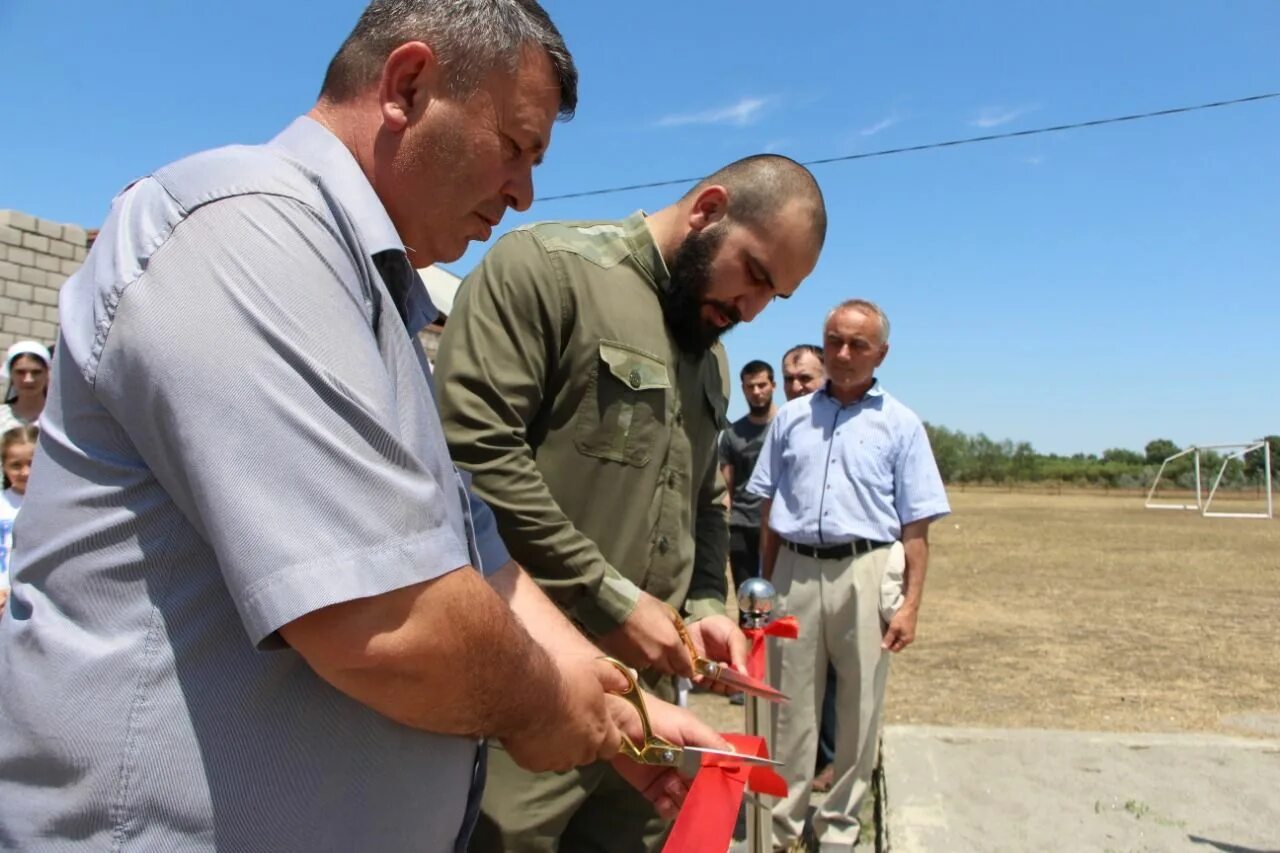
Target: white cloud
[
  {"x": 775, "y": 145},
  {"x": 1035, "y": 159},
  {"x": 996, "y": 116},
  {"x": 882, "y": 124},
  {"x": 742, "y": 113}
]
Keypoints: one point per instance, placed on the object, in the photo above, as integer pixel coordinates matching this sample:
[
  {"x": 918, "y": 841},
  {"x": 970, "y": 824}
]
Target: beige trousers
[{"x": 843, "y": 607}]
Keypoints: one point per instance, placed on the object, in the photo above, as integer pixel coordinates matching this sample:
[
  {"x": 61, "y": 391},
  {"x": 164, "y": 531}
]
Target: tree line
[{"x": 964, "y": 458}]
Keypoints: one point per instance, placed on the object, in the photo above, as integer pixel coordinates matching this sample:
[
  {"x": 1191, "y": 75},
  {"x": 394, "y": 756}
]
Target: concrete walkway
[{"x": 956, "y": 790}]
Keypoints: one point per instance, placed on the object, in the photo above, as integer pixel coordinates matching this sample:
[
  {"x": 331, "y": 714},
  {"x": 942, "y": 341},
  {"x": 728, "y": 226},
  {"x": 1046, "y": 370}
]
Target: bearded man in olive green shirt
[{"x": 583, "y": 386}]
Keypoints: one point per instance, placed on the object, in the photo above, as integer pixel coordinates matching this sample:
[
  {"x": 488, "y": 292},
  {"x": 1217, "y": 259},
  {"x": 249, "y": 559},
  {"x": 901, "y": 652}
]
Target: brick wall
[{"x": 36, "y": 257}]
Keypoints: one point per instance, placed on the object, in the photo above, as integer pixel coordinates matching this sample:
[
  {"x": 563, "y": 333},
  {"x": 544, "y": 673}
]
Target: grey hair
[
  {"x": 800, "y": 349},
  {"x": 471, "y": 38},
  {"x": 866, "y": 307}
]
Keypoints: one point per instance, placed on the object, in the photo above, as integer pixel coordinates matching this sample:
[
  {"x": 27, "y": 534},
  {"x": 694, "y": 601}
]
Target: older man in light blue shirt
[{"x": 850, "y": 488}]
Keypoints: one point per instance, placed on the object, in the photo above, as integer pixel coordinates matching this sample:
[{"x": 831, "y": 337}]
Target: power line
[{"x": 947, "y": 144}]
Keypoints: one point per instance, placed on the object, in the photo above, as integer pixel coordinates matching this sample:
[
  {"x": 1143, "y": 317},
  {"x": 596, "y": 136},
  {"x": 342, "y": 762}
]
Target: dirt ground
[
  {"x": 1090, "y": 612},
  {"x": 1086, "y": 611}
]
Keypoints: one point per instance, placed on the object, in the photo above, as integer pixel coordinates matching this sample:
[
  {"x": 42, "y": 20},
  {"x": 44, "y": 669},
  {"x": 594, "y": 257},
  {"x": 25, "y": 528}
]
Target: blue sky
[{"x": 1082, "y": 290}]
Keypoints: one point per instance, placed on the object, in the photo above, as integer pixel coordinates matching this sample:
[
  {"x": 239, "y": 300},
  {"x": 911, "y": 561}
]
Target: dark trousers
[
  {"x": 827, "y": 728},
  {"x": 744, "y": 554}
]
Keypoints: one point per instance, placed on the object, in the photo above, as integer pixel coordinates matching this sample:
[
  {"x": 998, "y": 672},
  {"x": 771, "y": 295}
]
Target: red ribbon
[
  {"x": 710, "y": 810},
  {"x": 786, "y": 628}
]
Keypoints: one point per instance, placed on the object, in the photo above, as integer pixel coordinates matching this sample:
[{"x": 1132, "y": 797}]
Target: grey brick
[
  {"x": 8, "y": 270},
  {"x": 79, "y": 253},
  {"x": 6, "y": 340},
  {"x": 38, "y": 242},
  {"x": 14, "y": 290},
  {"x": 75, "y": 235},
  {"x": 51, "y": 313},
  {"x": 10, "y": 235},
  {"x": 17, "y": 325},
  {"x": 61, "y": 249},
  {"x": 49, "y": 229},
  {"x": 68, "y": 267},
  {"x": 44, "y": 296},
  {"x": 44, "y": 331},
  {"x": 31, "y": 311},
  {"x": 49, "y": 263},
  {"x": 22, "y": 257},
  {"x": 8, "y": 306},
  {"x": 18, "y": 219},
  {"x": 27, "y": 275}
]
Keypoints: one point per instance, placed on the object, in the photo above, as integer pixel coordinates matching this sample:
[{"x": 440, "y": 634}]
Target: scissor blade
[
  {"x": 750, "y": 685},
  {"x": 691, "y": 759}
]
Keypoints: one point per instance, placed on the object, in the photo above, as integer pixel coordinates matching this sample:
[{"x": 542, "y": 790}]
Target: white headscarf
[{"x": 35, "y": 348}]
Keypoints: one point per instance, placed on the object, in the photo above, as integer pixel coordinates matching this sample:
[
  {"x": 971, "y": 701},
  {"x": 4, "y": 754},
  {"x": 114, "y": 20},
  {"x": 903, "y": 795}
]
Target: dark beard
[
  {"x": 759, "y": 411},
  {"x": 685, "y": 295}
]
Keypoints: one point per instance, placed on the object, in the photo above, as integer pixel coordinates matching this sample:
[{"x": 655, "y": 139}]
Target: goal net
[{"x": 1231, "y": 473}]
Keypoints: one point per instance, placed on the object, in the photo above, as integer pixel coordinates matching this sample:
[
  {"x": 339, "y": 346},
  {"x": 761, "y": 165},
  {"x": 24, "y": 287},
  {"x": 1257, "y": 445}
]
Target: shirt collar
[
  {"x": 824, "y": 393},
  {"x": 314, "y": 146},
  {"x": 640, "y": 238}
]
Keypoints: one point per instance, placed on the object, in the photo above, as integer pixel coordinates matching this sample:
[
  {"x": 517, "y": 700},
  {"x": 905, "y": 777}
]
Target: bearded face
[{"x": 696, "y": 322}]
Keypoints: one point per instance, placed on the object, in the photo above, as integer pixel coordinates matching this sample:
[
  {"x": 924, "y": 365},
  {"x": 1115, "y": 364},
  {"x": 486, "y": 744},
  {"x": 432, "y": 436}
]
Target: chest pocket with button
[{"x": 624, "y": 409}]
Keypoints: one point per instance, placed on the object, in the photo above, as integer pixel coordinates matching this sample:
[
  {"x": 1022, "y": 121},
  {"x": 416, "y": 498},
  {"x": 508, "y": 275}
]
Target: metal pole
[
  {"x": 1266, "y": 469},
  {"x": 1199, "y": 505},
  {"x": 755, "y": 609}
]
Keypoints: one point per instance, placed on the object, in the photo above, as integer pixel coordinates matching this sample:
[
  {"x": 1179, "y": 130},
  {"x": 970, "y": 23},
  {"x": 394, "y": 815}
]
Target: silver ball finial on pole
[
  {"x": 755, "y": 602},
  {"x": 755, "y": 609}
]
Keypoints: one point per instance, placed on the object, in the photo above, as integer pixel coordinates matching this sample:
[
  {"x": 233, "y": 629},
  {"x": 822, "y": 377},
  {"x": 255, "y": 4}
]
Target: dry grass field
[{"x": 1086, "y": 611}]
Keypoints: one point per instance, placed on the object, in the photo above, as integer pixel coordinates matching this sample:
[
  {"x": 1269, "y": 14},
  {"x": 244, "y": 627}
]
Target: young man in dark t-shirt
[{"x": 739, "y": 446}]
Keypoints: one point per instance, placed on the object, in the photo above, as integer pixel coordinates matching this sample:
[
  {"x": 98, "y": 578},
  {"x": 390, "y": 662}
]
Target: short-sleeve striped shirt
[{"x": 240, "y": 431}]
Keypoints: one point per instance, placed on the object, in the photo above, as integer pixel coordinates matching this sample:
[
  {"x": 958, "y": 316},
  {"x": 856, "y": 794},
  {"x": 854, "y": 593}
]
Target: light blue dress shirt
[{"x": 839, "y": 472}]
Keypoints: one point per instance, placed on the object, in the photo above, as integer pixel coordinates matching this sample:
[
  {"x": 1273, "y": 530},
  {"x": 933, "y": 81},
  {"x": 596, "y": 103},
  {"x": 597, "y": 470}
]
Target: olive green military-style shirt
[{"x": 589, "y": 433}]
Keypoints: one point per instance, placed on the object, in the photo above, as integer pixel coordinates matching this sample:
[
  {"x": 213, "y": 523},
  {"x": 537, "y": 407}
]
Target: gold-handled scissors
[
  {"x": 716, "y": 671},
  {"x": 661, "y": 752}
]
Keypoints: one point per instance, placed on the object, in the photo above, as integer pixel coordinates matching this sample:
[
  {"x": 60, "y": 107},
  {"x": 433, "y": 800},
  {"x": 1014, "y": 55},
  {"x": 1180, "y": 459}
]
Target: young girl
[{"x": 17, "y": 446}]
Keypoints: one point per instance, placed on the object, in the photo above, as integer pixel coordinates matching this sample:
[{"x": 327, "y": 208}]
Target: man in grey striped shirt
[{"x": 246, "y": 615}]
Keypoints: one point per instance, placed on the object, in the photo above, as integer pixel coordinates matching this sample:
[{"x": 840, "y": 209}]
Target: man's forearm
[
  {"x": 769, "y": 542},
  {"x": 915, "y": 544},
  {"x": 447, "y": 656},
  {"x": 544, "y": 621}
]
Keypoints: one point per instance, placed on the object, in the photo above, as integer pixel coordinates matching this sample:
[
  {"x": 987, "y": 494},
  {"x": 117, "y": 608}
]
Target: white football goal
[{"x": 1203, "y": 503}]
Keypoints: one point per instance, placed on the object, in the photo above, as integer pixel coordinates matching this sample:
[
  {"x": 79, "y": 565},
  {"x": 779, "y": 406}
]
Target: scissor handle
[
  {"x": 654, "y": 750},
  {"x": 633, "y": 695},
  {"x": 684, "y": 635}
]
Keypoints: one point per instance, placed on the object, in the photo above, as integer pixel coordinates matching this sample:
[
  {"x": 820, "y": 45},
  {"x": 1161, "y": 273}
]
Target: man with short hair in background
[
  {"x": 802, "y": 371},
  {"x": 739, "y": 447},
  {"x": 850, "y": 488}
]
